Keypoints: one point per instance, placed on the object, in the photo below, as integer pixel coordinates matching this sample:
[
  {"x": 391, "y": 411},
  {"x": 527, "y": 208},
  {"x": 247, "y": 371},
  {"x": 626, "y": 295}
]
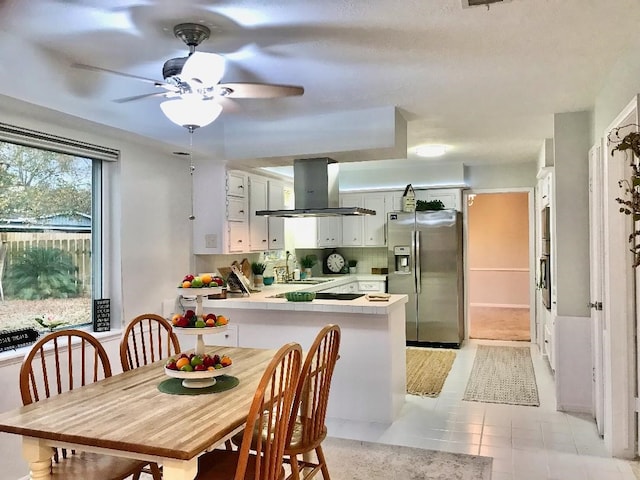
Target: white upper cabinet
[
  {"x": 236, "y": 184},
  {"x": 329, "y": 231},
  {"x": 374, "y": 225},
  {"x": 451, "y": 197},
  {"x": 219, "y": 230},
  {"x": 276, "y": 224},
  {"x": 258, "y": 226},
  {"x": 352, "y": 226},
  {"x": 367, "y": 230}
]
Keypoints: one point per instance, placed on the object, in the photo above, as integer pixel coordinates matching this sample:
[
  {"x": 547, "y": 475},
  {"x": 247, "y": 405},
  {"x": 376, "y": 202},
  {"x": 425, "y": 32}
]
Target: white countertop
[{"x": 264, "y": 300}]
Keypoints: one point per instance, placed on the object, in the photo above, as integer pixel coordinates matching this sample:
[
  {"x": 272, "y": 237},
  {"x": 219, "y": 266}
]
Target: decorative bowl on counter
[
  {"x": 268, "y": 280},
  {"x": 300, "y": 296}
]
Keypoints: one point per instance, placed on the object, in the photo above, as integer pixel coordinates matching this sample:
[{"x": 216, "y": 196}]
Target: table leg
[
  {"x": 38, "y": 456},
  {"x": 179, "y": 469}
]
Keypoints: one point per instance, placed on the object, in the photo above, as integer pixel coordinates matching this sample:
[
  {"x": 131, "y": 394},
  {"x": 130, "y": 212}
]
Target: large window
[{"x": 50, "y": 234}]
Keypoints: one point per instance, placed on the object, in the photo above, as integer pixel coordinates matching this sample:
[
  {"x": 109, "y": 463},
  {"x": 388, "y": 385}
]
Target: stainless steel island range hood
[{"x": 315, "y": 184}]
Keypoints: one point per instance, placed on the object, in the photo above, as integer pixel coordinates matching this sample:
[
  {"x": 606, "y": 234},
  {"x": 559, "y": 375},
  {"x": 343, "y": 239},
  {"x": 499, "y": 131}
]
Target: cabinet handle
[
  {"x": 240, "y": 211},
  {"x": 239, "y": 241},
  {"x": 264, "y": 240},
  {"x": 274, "y": 240}
]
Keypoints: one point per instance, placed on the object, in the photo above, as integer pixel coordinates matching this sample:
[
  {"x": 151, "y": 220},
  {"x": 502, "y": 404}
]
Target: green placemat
[{"x": 174, "y": 386}]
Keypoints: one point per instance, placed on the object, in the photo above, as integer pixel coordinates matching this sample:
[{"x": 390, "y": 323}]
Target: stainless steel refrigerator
[{"x": 425, "y": 263}]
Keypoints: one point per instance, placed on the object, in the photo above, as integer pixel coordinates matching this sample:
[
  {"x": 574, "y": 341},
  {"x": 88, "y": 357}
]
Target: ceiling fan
[{"x": 199, "y": 74}]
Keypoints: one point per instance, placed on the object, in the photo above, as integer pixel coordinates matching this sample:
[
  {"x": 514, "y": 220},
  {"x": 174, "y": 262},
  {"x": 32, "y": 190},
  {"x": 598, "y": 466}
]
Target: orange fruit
[
  {"x": 206, "y": 278},
  {"x": 186, "y": 284},
  {"x": 182, "y": 362},
  {"x": 221, "y": 320},
  {"x": 175, "y": 318}
]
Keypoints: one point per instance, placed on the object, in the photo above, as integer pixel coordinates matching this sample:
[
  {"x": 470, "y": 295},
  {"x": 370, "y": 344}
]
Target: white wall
[
  {"x": 501, "y": 176},
  {"x": 571, "y": 207},
  {"x": 149, "y": 247}
]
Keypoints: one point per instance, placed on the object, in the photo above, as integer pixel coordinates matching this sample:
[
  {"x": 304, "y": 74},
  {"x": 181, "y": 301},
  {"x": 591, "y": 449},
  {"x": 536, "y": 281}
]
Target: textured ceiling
[{"x": 486, "y": 82}]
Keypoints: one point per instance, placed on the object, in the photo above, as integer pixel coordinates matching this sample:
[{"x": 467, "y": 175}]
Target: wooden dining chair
[
  {"x": 271, "y": 407},
  {"x": 146, "y": 339},
  {"x": 62, "y": 361},
  {"x": 307, "y": 427}
]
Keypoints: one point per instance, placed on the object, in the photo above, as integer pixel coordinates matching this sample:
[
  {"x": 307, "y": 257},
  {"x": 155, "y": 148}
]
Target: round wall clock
[{"x": 334, "y": 262}]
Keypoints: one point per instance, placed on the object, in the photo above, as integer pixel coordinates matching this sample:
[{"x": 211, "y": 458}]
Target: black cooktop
[{"x": 338, "y": 296}]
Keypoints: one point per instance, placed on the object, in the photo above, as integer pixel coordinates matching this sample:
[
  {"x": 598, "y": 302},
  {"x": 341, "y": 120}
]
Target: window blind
[{"x": 46, "y": 141}]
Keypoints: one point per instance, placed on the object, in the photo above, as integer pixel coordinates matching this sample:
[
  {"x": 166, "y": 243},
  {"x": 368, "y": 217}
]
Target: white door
[
  {"x": 596, "y": 255},
  {"x": 619, "y": 298}
]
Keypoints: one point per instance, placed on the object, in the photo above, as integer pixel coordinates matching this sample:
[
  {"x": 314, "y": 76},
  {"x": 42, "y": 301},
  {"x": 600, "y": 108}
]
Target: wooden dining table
[{"x": 127, "y": 416}]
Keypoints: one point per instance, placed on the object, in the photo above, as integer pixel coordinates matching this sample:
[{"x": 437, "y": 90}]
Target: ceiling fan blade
[
  {"x": 91, "y": 68},
  {"x": 258, "y": 90},
  {"x": 139, "y": 97}
]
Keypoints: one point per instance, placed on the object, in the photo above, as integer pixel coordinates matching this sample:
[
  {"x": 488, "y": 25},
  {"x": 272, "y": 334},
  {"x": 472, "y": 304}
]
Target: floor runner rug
[
  {"x": 502, "y": 375},
  {"x": 427, "y": 370}
]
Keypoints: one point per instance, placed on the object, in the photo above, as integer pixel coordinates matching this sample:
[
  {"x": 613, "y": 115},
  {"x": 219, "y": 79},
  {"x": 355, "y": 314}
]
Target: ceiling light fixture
[
  {"x": 431, "y": 150},
  {"x": 191, "y": 111}
]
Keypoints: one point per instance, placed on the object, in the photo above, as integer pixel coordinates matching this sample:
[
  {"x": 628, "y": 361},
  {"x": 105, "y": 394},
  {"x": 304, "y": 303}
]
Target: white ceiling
[{"x": 486, "y": 82}]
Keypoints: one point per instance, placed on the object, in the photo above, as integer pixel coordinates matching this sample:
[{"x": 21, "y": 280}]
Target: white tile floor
[{"x": 526, "y": 443}]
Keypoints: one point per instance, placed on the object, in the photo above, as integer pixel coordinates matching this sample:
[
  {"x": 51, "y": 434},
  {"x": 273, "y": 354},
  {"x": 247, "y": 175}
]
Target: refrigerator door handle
[{"x": 416, "y": 259}]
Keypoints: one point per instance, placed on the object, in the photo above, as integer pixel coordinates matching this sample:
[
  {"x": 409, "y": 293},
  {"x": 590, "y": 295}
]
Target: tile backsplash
[{"x": 367, "y": 257}]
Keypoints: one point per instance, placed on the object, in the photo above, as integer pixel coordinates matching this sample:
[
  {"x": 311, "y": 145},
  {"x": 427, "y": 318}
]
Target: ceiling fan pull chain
[{"x": 191, "y": 170}]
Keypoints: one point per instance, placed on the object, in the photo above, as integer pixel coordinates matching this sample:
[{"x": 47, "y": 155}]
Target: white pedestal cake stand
[{"x": 199, "y": 332}]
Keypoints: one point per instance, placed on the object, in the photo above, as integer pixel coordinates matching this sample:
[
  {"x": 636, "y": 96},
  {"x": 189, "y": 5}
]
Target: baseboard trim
[{"x": 500, "y": 305}]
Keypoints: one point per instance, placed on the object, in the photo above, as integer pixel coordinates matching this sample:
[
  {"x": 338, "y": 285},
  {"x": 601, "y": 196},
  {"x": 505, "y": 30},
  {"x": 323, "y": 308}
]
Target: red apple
[
  {"x": 188, "y": 278},
  {"x": 172, "y": 366}
]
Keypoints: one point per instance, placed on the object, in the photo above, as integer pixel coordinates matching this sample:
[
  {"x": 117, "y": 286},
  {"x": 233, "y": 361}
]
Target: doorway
[{"x": 498, "y": 266}]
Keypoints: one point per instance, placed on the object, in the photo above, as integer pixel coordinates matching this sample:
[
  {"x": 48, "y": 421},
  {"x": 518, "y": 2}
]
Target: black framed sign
[
  {"x": 12, "y": 339},
  {"x": 102, "y": 315}
]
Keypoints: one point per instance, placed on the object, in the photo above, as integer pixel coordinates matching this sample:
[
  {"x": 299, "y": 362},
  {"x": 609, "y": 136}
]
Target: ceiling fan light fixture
[
  {"x": 431, "y": 150},
  {"x": 203, "y": 68},
  {"x": 191, "y": 111}
]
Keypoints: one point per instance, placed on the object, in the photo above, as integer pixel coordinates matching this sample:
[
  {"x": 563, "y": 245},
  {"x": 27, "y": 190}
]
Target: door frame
[
  {"x": 596, "y": 290},
  {"x": 532, "y": 265},
  {"x": 619, "y": 295}
]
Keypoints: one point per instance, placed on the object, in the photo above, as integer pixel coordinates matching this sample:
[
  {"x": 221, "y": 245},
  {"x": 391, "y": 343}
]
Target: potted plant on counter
[
  {"x": 352, "y": 266},
  {"x": 307, "y": 262},
  {"x": 258, "y": 270}
]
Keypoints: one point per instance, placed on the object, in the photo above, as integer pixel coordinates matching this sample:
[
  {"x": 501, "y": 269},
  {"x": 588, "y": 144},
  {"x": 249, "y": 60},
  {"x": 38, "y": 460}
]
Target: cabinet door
[
  {"x": 238, "y": 236},
  {"x": 451, "y": 197},
  {"x": 236, "y": 184},
  {"x": 236, "y": 209},
  {"x": 373, "y": 286},
  {"x": 276, "y": 224},
  {"x": 258, "y": 233},
  {"x": 374, "y": 233},
  {"x": 352, "y": 226},
  {"x": 329, "y": 231}
]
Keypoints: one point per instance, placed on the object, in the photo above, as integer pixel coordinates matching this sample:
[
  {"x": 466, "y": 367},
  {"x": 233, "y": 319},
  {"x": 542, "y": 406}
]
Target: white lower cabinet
[{"x": 371, "y": 286}]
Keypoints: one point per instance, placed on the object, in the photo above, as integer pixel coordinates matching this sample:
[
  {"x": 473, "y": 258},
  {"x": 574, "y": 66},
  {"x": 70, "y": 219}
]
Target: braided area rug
[
  {"x": 502, "y": 375},
  {"x": 427, "y": 369}
]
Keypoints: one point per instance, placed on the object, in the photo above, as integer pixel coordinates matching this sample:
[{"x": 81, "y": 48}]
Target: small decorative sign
[
  {"x": 12, "y": 339},
  {"x": 102, "y": 315},
  {"x": 409, "y": 199}
]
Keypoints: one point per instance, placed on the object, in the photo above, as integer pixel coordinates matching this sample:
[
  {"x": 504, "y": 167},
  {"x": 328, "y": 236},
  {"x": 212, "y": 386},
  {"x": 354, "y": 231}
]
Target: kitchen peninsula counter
[{"x": 369, "y": 382}]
